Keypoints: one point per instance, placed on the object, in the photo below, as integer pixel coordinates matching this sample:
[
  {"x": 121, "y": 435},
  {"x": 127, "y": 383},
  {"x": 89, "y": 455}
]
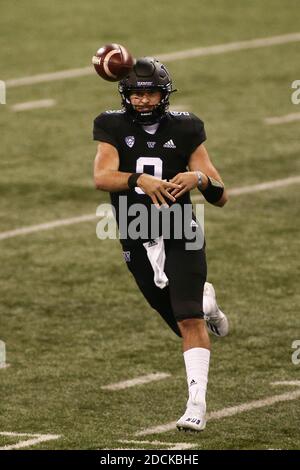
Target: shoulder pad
[
  {"x": 179, "y": 113},
  {"x": 188, "y": 118},
  {"x": 115, "y": 111}
]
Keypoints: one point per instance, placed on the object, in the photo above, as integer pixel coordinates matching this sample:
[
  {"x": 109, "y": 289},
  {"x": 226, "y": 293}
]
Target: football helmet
[{"x": 147, "y": 74}]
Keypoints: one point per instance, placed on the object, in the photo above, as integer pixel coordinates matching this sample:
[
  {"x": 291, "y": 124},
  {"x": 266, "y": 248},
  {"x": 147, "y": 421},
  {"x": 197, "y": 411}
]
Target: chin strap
[
  {"x": 145, "y": 118},
  {"x": 157, "y": 113}
]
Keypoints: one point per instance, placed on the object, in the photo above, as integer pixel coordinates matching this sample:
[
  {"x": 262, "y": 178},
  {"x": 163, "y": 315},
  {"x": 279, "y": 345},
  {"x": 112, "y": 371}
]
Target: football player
[{"x": 156, "y": 157}]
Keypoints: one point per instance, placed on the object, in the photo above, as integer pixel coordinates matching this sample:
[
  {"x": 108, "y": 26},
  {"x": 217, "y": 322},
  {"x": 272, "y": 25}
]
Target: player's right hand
[{"x": 157, "y": 189}]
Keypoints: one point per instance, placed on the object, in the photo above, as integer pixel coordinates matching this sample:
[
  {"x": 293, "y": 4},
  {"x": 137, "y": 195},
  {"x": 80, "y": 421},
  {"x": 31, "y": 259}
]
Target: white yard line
[
  {"x": 287, "y": 382},
  {"x": 32, "y": 105},
  {"x": 264, "y": 186},
  {"x": 143, "y": 379},
  {"x": 35, "y": 439},
  {"x": 282, "y": 119},
  {"x": 49, "y": 77},
  {"x": 226, "y": 412},
  {"x": 89, "y": 217},
  {"x": 169, "y": 57},
  {"x": 46, "y": 226},
  {"x": 259, "y": 187},
  {"x": 230, "y": 47}
]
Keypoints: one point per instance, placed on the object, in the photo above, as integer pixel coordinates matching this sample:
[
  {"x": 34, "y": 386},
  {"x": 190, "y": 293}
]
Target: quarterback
[{"x": 155, "y": 157}]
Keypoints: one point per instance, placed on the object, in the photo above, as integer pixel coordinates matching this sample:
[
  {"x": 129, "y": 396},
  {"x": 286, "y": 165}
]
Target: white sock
[{"x": 197, "y": 365}]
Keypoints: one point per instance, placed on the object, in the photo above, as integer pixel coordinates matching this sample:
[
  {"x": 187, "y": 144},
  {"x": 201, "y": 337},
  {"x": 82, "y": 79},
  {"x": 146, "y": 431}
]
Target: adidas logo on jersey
[
  {"x": 193, "y": 382},
  {"x": 170, "y": 144}
]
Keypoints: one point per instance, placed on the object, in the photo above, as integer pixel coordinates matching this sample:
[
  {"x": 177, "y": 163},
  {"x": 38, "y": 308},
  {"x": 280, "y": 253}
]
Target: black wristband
[
  {"x": 132, "y": 180},
  {"x": 214, "y": 190}
]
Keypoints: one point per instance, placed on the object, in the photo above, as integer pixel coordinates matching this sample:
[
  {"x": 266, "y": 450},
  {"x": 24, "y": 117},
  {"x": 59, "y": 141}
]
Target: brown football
[{"x": 112, "y": 62}]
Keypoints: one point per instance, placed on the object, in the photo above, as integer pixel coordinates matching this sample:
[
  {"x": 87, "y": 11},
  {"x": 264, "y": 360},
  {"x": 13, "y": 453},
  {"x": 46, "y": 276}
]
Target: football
[{"x": 113, "y": 62}]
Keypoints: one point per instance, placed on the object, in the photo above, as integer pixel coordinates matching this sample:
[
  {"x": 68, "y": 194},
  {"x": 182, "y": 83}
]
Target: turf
[{"x": 71, "y": 316}]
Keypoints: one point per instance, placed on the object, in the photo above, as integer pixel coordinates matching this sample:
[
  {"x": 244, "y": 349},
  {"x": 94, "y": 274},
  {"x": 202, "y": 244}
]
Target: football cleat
[
  {"x": 193, "y": 419},
  {"x": 216, "y": 320}
]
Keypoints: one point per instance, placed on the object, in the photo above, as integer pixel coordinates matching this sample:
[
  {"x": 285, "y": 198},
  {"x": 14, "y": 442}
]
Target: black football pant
[{"x": 186, "y": 271}]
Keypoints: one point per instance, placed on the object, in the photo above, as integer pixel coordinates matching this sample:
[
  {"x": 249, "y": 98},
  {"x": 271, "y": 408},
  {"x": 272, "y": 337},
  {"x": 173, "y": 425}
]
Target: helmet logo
[
  {"x": 130, "y": 140},
  {"x": 144, "y": 83}
]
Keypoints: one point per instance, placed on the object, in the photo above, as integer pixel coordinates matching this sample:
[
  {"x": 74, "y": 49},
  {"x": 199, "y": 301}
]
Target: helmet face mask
[{"x": 148, "y": 74}]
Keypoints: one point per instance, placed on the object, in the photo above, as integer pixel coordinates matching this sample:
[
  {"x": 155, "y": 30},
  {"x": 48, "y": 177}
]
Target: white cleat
[
  {"x": 193, "y": 419},
  {"x": 216, "y": 320}
]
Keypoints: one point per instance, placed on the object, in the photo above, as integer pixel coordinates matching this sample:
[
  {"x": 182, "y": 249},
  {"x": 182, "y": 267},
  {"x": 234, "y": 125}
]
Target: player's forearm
[
  {"x": 221, "y": 202},
  {"x": 210, "y": 197},
  {"x": 111, "y": 180}
]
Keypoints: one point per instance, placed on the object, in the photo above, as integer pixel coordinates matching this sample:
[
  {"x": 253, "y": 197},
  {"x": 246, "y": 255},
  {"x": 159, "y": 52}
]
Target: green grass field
[{"x": 71, "y": 316}]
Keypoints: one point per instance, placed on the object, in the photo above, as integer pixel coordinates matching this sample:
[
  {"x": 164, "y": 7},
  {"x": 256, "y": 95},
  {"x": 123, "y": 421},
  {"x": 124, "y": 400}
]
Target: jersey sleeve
[
  {"x": 198, "y": 134},
  {"x": 104, "y": 130}
]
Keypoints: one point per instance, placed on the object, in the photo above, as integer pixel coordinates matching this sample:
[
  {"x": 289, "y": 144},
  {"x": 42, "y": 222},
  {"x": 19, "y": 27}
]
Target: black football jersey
[{"x": 163, "y": 154}]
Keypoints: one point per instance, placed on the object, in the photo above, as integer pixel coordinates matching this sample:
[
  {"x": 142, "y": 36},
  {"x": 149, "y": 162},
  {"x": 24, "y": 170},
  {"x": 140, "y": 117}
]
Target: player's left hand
[{"x": 187, "y": 181}]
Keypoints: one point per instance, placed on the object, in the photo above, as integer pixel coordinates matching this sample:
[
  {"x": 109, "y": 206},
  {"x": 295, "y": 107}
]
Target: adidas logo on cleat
[
  {"x": 213, "y": 328},
  {"x": 193, "y": 418}
]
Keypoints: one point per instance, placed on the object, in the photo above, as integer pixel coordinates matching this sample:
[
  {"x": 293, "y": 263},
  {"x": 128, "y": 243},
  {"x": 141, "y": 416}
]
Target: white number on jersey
[{"x": 149, "y": 161}]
